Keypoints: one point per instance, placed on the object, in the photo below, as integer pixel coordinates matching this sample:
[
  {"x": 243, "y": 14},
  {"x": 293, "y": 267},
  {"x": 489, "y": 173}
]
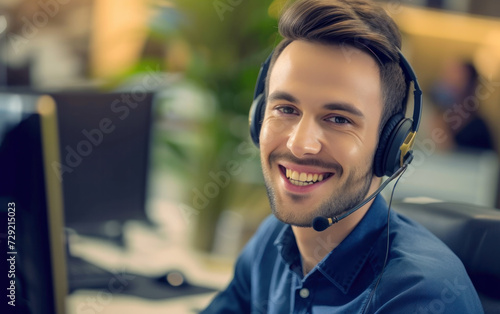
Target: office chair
[{"x": 472, "y": 232}]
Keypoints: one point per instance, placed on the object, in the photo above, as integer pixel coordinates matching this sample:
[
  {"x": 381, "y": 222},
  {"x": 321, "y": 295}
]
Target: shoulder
[
  {"x": 416, "y": 251},
  {"x": 241, "y": 293},
  {"x": 423, "y": 274},
  {"x": 411, "y": 242},
  {"x": 268, "y": 230}
]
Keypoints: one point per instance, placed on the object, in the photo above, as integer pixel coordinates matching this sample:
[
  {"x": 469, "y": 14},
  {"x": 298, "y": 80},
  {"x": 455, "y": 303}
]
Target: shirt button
[{"x": 304, "y": 293}]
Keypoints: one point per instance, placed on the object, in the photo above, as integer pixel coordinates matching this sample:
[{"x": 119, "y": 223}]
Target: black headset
[{"x": 397, "y": 137}]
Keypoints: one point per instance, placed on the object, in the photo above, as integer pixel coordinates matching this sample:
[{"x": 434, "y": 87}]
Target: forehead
[{"x": 321, "y": 71}]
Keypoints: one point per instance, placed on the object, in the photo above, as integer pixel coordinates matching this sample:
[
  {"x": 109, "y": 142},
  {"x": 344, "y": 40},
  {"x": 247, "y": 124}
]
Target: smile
[{"x": 304, "y": 178}]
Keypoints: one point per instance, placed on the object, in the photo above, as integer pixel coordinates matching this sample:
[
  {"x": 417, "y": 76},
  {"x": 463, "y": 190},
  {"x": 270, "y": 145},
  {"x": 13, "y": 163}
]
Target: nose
[{"x": 305, "y": 138}]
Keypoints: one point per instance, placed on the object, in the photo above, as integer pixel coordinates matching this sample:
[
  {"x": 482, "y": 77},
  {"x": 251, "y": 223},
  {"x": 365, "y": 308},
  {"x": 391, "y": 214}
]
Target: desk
[
  {"x": 148, "y": 253},
  {"x": 87, "y": 302}
]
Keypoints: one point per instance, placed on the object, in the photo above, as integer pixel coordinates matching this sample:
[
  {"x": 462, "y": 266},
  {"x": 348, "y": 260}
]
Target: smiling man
[{"x": 334, "y": 94}]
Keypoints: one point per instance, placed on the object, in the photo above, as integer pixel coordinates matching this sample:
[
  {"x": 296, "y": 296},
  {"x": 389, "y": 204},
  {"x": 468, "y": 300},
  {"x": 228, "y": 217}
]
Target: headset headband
[{"x": 417, "y": 93}]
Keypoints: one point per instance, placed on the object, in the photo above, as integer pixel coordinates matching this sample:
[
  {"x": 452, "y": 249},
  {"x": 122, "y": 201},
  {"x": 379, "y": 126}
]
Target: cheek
[
  {"x": 272, "y": 132},
  {"x": 274, "y": 126},
  {"x": 353, "y": 152},
  {"x": 347, "y": 151}
]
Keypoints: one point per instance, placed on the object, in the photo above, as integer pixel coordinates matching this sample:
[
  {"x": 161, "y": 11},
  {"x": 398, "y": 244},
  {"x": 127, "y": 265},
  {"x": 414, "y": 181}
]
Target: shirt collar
[
  {"x": 342, "y": 265},
  {"x": 287, "y": 246}
]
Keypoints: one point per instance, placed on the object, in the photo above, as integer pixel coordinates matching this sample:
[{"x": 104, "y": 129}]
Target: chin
[{"x": 291, "y": 219}]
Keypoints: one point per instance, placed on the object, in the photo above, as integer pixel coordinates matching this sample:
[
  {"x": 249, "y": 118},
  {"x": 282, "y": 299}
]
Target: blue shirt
[{"x": 421, "y": 275}]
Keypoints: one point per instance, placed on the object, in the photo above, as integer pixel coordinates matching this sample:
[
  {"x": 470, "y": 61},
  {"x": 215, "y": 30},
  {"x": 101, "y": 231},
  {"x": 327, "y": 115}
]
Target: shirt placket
[{"x": 302, "y": 297}]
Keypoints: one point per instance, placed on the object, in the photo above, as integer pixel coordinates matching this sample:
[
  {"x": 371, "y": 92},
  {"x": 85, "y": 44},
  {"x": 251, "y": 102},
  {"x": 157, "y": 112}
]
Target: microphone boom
[{"x": 321, "y": 223}]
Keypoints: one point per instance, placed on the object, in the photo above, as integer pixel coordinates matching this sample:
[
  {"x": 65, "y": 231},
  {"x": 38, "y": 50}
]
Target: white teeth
[
  {"x": 300, "y": 183},
  {"x": 303, "y": 178}
]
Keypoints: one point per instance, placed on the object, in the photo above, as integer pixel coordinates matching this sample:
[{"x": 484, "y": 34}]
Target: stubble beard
[{"x": 340, "y": 201}]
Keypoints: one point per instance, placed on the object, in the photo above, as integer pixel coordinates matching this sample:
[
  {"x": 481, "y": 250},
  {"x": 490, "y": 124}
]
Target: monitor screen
[
  {"x": 104, "y": 140},
  {"x": 33, "y": 254}
]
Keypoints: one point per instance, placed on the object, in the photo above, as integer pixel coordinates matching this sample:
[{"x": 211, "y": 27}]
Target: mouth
[{"x": 299, "y": 178}]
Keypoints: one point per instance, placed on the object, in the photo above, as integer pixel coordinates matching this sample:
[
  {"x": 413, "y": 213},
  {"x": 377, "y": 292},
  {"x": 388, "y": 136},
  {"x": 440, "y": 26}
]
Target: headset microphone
[{"x": 321, "y": 223}]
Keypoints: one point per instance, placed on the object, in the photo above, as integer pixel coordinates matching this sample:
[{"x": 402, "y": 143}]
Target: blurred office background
[{"x": 205, "y": 190}]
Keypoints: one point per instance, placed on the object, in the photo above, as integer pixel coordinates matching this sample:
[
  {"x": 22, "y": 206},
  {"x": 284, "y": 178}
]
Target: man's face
[{"x": 320, "y": 130}]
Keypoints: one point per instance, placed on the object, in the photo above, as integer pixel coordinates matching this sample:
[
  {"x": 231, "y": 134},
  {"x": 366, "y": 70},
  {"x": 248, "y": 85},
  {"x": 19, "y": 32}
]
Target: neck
[{"x": 314, "y": 246}]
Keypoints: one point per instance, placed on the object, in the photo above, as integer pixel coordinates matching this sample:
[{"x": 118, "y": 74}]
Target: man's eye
[
  {"x": 339, "y": 120},
  {"x": 287, "y": 110}
]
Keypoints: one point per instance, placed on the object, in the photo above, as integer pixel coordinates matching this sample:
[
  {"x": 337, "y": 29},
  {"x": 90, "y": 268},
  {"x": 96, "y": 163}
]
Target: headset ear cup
[
  {"x": 255, "y": 118},
  {"x": 379, "y": 163},
  {"x": 258, "y": 107},
  {"x": 393, "y": 151}
]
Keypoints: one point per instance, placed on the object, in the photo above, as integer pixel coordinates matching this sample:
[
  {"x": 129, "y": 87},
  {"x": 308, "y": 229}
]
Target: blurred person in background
[
  {"x": 334, "y": 94},
  {"x": 457, "y": 107}
]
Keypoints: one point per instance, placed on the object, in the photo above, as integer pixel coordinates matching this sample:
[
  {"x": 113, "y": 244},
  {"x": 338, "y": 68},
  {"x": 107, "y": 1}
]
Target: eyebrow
[
  {"x": 280, "y": 95},
  {"x": 344, "y": 107}
]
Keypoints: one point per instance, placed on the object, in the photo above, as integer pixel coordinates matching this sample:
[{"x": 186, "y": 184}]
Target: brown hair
[{"x": 356, "y": 23}]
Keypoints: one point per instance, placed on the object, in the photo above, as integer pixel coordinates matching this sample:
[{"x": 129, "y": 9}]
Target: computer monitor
[
  {"x": 105, "y": 140},
  {"x": 32, "y": 242}
]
